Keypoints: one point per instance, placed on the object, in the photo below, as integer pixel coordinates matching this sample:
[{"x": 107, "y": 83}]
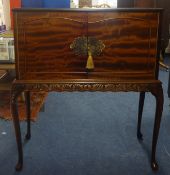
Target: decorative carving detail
[{"x": 78, "y": 86}]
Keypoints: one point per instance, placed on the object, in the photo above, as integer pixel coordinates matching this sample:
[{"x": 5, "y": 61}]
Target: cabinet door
[
  {"x": 43, "y": 44},
  {"x": 130, "y": 40}
]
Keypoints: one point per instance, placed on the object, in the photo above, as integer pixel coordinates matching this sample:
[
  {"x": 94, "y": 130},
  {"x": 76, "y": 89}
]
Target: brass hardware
[
  {"x": 87, "y": 46},
  {"x": 79, "y": 46},
  {"x": 90, "y": 64}
]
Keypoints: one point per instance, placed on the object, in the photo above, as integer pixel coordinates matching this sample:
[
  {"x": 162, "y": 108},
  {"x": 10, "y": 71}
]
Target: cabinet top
[{"x": 90, "y": 9}]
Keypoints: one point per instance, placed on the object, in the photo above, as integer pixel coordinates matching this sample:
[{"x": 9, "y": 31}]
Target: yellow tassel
[{"x": 90, "y": 64}]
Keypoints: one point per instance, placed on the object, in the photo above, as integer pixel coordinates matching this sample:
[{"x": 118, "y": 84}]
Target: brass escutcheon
[{"x": 87, "y": 46}]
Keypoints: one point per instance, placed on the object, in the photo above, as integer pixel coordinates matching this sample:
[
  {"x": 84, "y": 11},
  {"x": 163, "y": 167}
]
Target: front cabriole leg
[
  {"x": 158, "y": 93},
  {"x": 28, "y": 113},
  {"x": 140, "y": 111},
  {"x": 15, "y": 92}
]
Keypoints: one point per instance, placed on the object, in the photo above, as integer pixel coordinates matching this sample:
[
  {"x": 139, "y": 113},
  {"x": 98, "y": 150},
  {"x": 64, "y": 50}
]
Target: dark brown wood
[
  {"x": 56, "y": 59},
  {"x": 150, "y": 4},
  {"x": 45, "y": 60},
  {"x": 15, "y": 92},
  {"x": 28, "y": 111},
  {"x": 166, "y": 17},
  {"x": 141, "y": 104},
  {"x": 158, "y": 93}
]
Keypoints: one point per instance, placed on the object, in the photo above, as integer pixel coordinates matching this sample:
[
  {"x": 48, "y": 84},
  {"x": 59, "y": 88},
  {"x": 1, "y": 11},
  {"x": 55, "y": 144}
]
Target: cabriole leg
[
  {"x": 15, "y": 92},
  {"x": 158, "y": 93},
  {"x": 28, "y": 113},
  {"x": 140, "y": 111}
]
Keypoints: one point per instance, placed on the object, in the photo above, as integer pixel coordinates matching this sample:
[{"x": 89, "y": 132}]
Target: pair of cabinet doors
[{"x": 54, "y": 44}]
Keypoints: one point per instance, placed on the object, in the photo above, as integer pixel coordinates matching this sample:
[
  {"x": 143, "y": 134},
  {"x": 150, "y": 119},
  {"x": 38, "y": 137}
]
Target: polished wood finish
[
  {"x": 28, "y": 112},
  {"x": 129, "y": 61},
  {"x": 141, "y": 104},
  {"x": 150, "y": 4},
  {"x": 158, "y": 93},
  {"x": 137, "y": 58}
]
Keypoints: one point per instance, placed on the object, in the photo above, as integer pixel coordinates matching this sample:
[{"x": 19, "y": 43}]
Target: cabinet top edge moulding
[{"x": 88, "y": 9}]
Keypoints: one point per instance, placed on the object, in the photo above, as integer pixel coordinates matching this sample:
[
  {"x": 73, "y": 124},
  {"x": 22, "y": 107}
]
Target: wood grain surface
[{"x": 43, "y": 39}]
